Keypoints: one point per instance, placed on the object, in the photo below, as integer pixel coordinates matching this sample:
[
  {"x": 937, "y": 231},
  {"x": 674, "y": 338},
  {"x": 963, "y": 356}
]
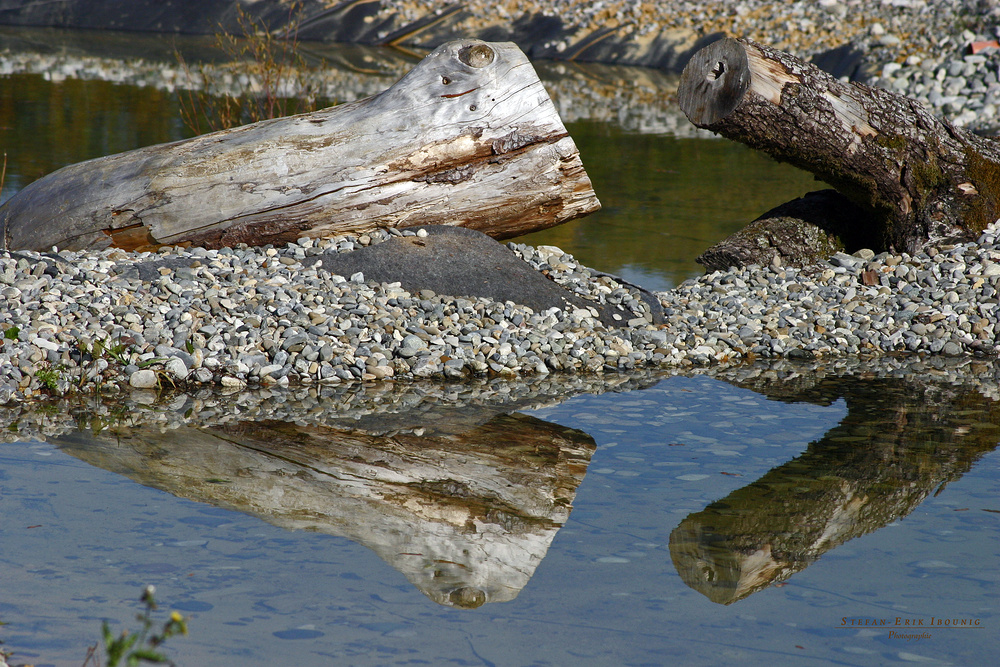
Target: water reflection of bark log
[
  {"x": 465, "y": 513},
  {"x": 899, "y": 442}
]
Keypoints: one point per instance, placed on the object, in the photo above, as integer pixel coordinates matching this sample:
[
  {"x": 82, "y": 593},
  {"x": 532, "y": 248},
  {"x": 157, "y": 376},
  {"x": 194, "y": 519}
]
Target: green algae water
[
  {"x": 665, "y": 200},
  {"x": 790, "y": 514}
]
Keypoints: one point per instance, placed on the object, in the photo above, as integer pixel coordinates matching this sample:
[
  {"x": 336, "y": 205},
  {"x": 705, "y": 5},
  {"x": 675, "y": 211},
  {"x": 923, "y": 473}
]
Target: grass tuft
[{"x": 266, "y": 70}]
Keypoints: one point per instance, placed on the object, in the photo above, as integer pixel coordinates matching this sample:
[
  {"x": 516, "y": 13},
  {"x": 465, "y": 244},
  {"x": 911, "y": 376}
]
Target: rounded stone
[{"x": 143, "y": 379}]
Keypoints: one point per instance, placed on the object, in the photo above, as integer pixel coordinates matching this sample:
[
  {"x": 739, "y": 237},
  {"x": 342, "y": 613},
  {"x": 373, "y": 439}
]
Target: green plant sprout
[
  {"x": 133, "y": 648},
  {"x": 119, "y": 350},
  {"x": 123, "y": 351},
  {"x": 49, "y": 377},
  {"x": 138, "y": 647}
]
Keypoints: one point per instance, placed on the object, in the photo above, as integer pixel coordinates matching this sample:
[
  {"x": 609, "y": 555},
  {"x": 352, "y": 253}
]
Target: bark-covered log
[
  {"x": 801, "y": 232},
  {"x": 922, "y": 179},
  {"x": 468, "y": 137}
]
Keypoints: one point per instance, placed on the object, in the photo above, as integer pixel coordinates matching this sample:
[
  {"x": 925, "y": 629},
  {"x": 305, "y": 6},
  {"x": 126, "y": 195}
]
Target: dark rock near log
[
  {"x": 457, "y": 262},
  {"x": 463, "y": 262},
  {"x": 803, "y": 231}
]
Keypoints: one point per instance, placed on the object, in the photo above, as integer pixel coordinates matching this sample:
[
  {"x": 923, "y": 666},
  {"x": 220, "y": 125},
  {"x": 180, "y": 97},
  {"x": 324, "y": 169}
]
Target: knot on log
[
  {"x": 476, "y": 55},
  {"x": 511, "y": 142}
]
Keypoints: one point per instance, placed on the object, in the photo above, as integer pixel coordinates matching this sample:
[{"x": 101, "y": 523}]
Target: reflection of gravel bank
[
  {"x": 435, "y": 408},
  {"x": 388, "y": 408},
  {"x": 790, "y": 379}
]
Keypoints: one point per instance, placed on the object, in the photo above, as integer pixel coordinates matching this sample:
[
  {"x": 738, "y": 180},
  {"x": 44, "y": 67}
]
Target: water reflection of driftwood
[
  {"x": 900, "y": 441},
  {"x": 466, "y": 513}
]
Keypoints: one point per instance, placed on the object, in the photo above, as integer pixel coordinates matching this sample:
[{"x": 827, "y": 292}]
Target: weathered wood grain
[{"x": 468, "y": 137}]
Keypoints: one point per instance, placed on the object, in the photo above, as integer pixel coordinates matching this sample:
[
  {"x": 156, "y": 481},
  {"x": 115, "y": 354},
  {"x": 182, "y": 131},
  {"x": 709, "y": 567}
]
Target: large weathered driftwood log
[
  {"x": 468, "y": 137},
  {"x": 922, "y": 179}
]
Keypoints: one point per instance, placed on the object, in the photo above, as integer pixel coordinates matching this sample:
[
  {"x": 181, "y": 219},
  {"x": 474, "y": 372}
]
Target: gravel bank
[
  {"x": 919, "y": 48},
  {"x": 267, "y": 316},
  {"x": 884, "y": 27}
]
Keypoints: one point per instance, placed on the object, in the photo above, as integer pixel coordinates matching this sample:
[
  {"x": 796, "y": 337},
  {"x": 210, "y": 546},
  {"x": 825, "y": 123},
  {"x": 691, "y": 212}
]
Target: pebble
[{"x": 142, "y": 379}]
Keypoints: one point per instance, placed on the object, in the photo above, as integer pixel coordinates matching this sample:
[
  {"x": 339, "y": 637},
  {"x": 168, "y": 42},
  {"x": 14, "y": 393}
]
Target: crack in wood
[{"x": 452, "y": 95}]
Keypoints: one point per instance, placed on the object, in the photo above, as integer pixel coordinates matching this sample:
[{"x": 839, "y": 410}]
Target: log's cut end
[
  {"x": 713, "y": 82},
  {"x": 468, "y": 137}
]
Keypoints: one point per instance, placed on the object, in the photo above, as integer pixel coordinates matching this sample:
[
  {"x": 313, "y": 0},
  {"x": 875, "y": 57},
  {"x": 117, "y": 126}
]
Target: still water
[{"x": 824, "y": 514}]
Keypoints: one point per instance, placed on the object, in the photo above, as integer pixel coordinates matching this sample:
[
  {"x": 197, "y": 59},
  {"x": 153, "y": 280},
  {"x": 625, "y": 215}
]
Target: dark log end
[{"x": 714, "y": 82}]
